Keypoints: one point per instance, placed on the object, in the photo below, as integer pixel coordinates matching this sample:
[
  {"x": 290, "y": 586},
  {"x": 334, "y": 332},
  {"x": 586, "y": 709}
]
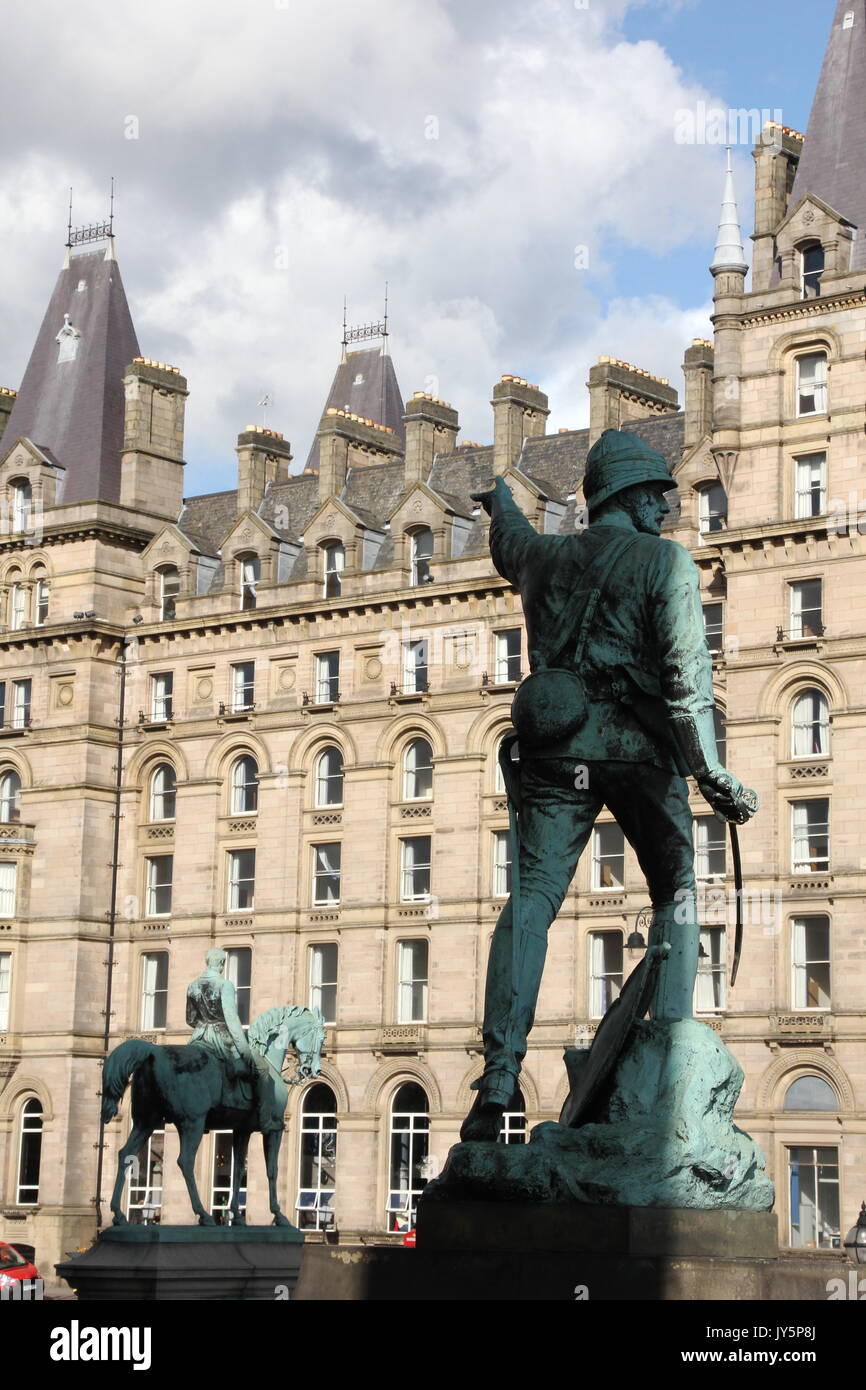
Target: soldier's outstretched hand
[{"x": 727, "y": 795}]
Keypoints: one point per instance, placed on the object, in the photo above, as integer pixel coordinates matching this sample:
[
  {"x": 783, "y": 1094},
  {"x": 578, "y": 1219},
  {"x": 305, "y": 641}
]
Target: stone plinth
[{"x": 201, "y": 1263}]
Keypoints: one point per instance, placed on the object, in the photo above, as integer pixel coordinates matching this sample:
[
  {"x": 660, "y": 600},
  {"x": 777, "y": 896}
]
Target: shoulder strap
[{"x": 579, "y": 610}]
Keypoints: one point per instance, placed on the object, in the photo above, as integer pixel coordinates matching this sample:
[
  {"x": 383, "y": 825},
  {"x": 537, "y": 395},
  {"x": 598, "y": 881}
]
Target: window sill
[
  {"x": 408, "y": 697},
  {"x": 13, "y": 731}
]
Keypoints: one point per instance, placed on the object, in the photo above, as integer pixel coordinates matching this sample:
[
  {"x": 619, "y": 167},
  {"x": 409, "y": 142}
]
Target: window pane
[
  {"x": 245, "y": 786},
  {"x": 814, "y": 1197},
  {"x": 418, "y": 771},
  {"x": 144, "y": 1193},
  {"x": 714, "y": 626},
  {"x": 242, "y": 880},
  {"x": 810, "y": 849},
  {"x": 30, "y": 1153},
  {"x": 154, "y": 989},
  {"x": 5, "y": 988},
  {"x": 408, "y": 1158},
  {"x": 239, "y": 967},
  {"x": 8, "y": 887},
  {"x": 608, "y": 857},
  {"x": 318, "y": 1159},
  {"x": 812, "y": 384},
  {"x": 412, "y": 981},
  {"x": 243, "y": 685},
  {"x": 323, "y": 979},
  {"x": 711, "y": 976},
  {"x": 508, "y": 647},
  {"x": 605, "y": 971},
  {"x": 422, "y": 550},
  {"x": 329, "y": 778},
  {"x": 710, "y": 847},
  {"x": 806, "y": 609},
  {"x": 810, "y": 953},
  {"x": 501, "y": 863},
  {"x": 327, "y": 678},
  {"x": 159, "y": 881},
  {"x": 415, "y": 876},
  {"x": 326, "y": 873},
  {"x": 810, "y": 725}
]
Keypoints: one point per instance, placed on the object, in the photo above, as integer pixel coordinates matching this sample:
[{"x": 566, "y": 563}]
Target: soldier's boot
[
  {"x": 498, "y": 1091},
  {"x": 676, "y": 923}
]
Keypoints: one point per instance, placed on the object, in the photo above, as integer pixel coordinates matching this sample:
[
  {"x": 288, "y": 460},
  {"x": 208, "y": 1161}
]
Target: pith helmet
[{"x": 617, "y": 460}]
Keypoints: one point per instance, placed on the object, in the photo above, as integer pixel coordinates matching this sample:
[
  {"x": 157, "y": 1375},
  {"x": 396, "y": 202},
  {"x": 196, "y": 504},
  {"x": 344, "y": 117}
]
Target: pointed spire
[
  {"x": 729, "y": 254},
  {"x": 833, "y": 163}
]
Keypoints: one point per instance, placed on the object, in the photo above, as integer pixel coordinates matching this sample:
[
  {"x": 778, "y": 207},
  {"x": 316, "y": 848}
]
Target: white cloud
[{"x": 306, "y": 127}]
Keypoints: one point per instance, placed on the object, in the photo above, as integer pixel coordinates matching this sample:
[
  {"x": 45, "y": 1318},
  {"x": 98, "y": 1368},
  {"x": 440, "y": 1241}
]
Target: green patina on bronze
[
  {"x": 617, "y": 710},
  {"x": 222, "y": 1079}
]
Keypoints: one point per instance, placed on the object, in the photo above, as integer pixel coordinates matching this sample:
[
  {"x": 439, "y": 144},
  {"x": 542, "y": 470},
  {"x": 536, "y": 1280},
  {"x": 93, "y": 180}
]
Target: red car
[{"x": 19, "y": 1277}]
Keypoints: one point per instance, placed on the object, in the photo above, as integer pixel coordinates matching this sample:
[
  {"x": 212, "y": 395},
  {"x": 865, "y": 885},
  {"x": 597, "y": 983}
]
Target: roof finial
[
  {"x": 729, "y": 254},
  {"x": 343, "y": 356},
  {"x": 385, "y": 326},
  {"x": 111, "y": 209}
]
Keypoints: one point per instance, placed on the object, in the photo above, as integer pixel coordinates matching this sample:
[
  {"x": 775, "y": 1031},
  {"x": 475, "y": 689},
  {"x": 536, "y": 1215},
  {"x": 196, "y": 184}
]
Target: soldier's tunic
[{"x": 647, "y": 649}]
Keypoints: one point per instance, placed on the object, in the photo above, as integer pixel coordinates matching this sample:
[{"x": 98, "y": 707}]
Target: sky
[{"x": 535, "y": 179}]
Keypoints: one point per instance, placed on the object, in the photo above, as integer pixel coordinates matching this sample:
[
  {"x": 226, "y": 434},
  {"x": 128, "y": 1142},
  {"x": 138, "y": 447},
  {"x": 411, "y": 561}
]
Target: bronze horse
[{"x": 188, "y": 1087}]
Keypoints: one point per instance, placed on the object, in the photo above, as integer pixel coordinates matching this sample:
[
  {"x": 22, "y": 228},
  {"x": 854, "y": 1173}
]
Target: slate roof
[
  {"x": 73, "y": 410},
  {"x": 375, "y": 397},
  {"x": 833, "y": 163},
  {"x": 555, "y": 463}
]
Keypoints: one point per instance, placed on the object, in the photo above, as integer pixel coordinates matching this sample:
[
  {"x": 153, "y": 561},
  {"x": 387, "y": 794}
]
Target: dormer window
[
  {"x": 422, "y": 553},
  {"x": 251, "y": 573},
  {"x": 22, "y": 504},
  {"x": 334, "y": 561},
  {"x": 811, "y": 270},
  {"x": 169, "y": 588}
]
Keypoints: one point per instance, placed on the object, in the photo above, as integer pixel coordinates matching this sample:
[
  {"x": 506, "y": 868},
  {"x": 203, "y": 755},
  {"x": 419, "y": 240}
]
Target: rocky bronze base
[{"x": 187, "y": 1263}]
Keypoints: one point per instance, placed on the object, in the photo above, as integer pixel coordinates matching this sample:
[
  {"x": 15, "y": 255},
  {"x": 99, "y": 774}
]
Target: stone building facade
[{"x": 268, "y": 719}]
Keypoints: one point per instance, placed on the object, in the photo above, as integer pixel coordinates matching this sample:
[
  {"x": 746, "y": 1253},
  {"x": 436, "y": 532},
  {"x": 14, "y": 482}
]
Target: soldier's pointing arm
[{"x": 513, "y": 540}]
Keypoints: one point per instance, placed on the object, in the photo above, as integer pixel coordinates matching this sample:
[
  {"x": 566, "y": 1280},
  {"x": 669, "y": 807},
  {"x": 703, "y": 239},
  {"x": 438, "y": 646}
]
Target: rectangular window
[
  {"x": 5, "y": 988},
  {"x": 810, "y": 485},
  {"x": 21, "y": 692},
  {"x": 415, "y": 869},
  {"x": 810, "y": 836},
  {"x": 222, "y": 1175},
  {"x": 327, "y": 860},
  {"x": 507, "y": 667},
  {"x": 159, "y": 878},
  {"x": 605, "y": 971},
  {"x": 243, "y": 686},
  {"x": 501, "y": 863},
  {"x": 239, "y": 969},
  {"x": 714, "y": 626},
  {"x": 323, "y": 979},
  {"x": 327, "y": 678},
  {"x": 416, "y": 671},
  {"x": 712, "y": 509},
  {"x": 806, "y": 609},
  {"x": 19, "y": 606},
  {"x": 813, "y": 1178},
  {"x": 812, "y": 384},
  {"x": 144, "y": 1202},
  {"x": 8, "y": 887},
  {"x": 710, "y": 980},
  {"x": 412, "y": 981},
  {"x": 161, "y": 687},
  {"x": 41, "y": 602},
  {"x": 710, "y": 847},
  {"x": 810, "y": 960},
  {"x": 154, "y": 990},
  {"x": 242, "y": 880},
  {"x": 2, "y": 704},
  {"x": 608, "y": 857}
]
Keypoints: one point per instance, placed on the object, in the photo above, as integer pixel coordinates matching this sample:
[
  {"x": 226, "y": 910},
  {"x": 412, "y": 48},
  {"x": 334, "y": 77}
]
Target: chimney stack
[
  {"x": 151, "y": 469},
  {"x": 263, "y": 458},
  {"x": 432, "y": 427},
  {"x": 520, "y": 412},
  {"x": 698, "y": 373},
  {"x": 349, "y": 441},
  {"x": 7, "y": 400},
  {"x": 619, "y": 391}
]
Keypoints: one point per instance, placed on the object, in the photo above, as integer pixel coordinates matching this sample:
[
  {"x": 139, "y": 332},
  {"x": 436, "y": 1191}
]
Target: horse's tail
[{"x": 119, "y": 1066}]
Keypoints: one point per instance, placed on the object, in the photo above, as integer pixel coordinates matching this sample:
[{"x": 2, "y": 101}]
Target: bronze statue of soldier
[{"x": 617, "y": 711}]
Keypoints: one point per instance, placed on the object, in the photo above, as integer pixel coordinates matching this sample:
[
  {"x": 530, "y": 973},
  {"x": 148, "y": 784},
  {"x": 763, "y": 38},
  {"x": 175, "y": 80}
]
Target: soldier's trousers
[{"x": 555, "y": 822}]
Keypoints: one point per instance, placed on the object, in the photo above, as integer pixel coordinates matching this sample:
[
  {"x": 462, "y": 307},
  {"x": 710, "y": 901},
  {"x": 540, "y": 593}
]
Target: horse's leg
[
  {"x": 139, "y": 1135},
  {"x": 240, "y": 1144},
  {"x": 191, "y": 1132},
  {"x": 271, "y": 1145}
]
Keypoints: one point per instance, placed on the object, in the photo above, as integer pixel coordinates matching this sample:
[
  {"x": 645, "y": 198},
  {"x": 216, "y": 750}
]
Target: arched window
[
  {"x": 421, "y": 542},
  {"x": 244, "y": 786},
  {"x": 318, "y": 1159},
  {"x": 169, "y": 588},
  {"x": 810, "y": 725},
  {"x": 162, "y": 792},
  {"x": 712, "y": 509},
  {"x": 251, "y": 573},
  {"x": 29, "y": 1154},
  {"x": 811, "y": 384},
  {"x": 811, "y": 270},
  {"x": 39, "y": 580},
  {"x": 329, "y": 778},
  {"x": 22, "y": 504},
  {"x": 418, "y": 771},
  {"x": 334, "y": 562},
  {"x": 10, "y": 795},
  {"x": 409, "y": 1147},
  {"x": 17, "y": 600},
  {"x": 810, "y": 1093}
]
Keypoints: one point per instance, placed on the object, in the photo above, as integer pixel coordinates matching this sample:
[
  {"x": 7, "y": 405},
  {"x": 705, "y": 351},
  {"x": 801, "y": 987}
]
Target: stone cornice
[{"x": 806, "y": 308}]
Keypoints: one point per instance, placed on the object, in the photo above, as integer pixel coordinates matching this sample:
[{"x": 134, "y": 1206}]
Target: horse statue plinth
[{"x": 190, "y": 1087}]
